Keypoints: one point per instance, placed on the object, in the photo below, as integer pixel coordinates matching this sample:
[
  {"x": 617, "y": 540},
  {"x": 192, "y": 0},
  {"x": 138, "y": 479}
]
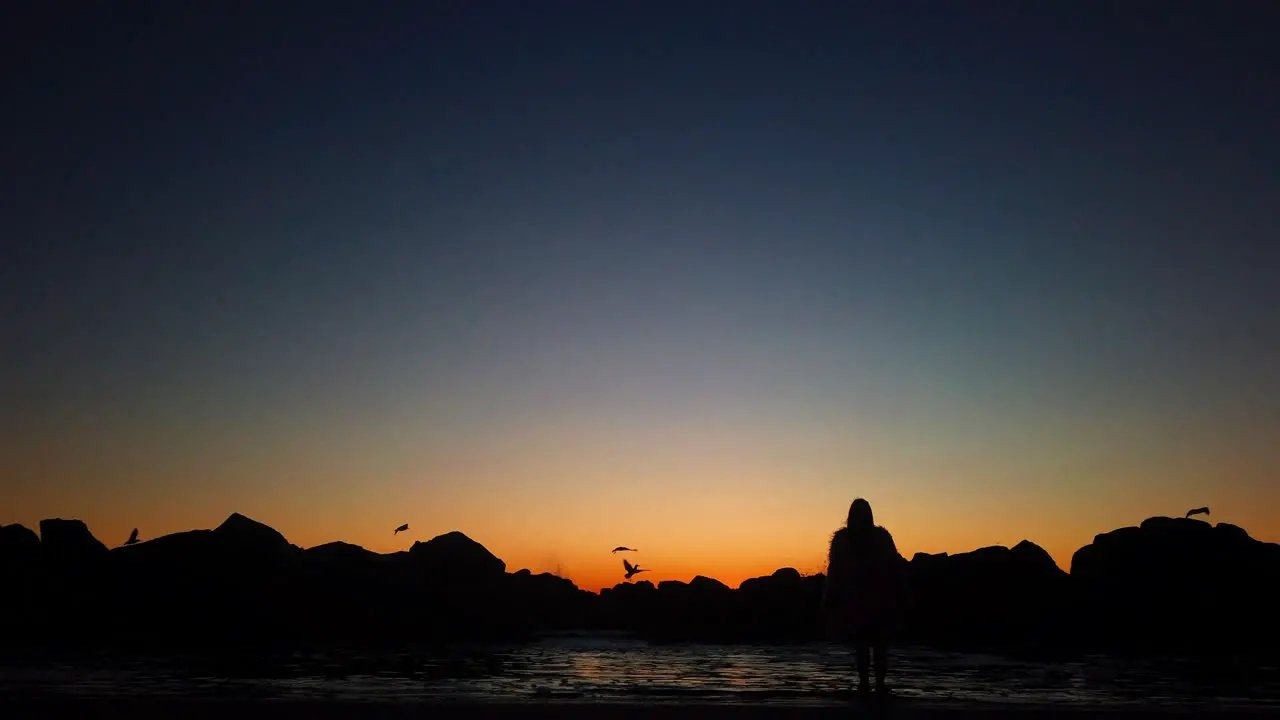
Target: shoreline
[{"x": 143, "y": 708}]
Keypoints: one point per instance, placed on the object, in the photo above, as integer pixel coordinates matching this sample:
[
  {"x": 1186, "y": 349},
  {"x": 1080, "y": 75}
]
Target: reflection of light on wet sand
[{"x": 604, "y": 669}]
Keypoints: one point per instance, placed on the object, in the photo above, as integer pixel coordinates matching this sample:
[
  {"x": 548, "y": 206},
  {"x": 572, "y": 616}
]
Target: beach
[
  {"x": 587, "y": 676},
  {"x": 145, "y": 709}
]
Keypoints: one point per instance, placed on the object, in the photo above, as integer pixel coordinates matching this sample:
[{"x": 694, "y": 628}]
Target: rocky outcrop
[
  {"x": 241, "y": 533},
  {"x": 18, "y": 544},
  {"x": 628, "y": 606},
  {"x": 1176, "y": 583},
  {"x": 993, "y": 596},
  {"x": 70, "y": 541},
  {"x": 68, "y": 588},
  {"x": 456, "y": 557},
  {"x": 341, "y": 554},
  {"x": 782, "y": 607},
  {"x": 1169, "y": 584},
  {"x": 549, "y": 602},
  {"x": 19, "y": 562},
  {"x": 702, "y": 609}
]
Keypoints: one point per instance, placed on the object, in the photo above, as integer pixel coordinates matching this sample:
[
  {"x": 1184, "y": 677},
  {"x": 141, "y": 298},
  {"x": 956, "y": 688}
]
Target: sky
[{"x": 569, "y": 275}]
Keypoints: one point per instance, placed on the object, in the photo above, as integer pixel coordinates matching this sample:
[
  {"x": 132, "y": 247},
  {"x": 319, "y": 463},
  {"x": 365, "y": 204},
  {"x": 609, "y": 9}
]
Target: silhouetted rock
[
  {"x": 187, "y": 547},
  {"x": 341, "y": 552},
  {"x": 456, "y": 557},
  {"x": 238, "y": 579},
  {"x": 702, "y": 609},
  {"x": 65, "y": 601},
  {"x": 782, "y": 607},
  {"x": 1176, "y": 583},
  {"x": 993, "y": 596},
  {"x": 703, "y": 584},
  {"x": 240, "y": 533},
  {"x": 548, "y": 602},
  {"x": 17, "y": 542},
  {"x": 19, "y": 558},
  {"x": 243, "y": 587},
  {"x": 70, "y": 541},
  {"x": 628, "y": 606}
]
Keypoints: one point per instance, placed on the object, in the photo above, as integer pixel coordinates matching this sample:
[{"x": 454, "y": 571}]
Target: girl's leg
[
  {"x": 864, "y": 661},
  {"x": 882, "y": 663}
]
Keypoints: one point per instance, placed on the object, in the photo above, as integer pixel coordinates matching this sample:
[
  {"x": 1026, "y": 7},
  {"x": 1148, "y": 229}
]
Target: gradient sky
[{"x": 569, "y": 275}]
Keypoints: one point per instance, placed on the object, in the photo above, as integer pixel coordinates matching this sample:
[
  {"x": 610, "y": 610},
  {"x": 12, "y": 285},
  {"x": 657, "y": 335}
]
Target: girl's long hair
[{"x": 860, "y": 517}]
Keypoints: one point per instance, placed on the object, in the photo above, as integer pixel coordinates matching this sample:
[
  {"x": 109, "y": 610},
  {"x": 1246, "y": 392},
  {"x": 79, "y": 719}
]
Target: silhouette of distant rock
[
  {"x": 782, "y": 607},
  {"x": 19, "y": 558},
  {"x": 456, "y": 556},
  {"x": 243, "y": 585},
  {"x": 186, "y": 547},
  {"x": 701, "y": 609},
  {"x": 340, "y": 552},
  {"x": 1143, "y": 587},
  {"x": 701, "y": 583},
  {"x": 628, "y": 606},
  {"x": 70, "y": 540},
  {"x": 549, "y": 602},
  {"x": 17, "y": 542},
  {"x": 66, "y": 602},
  {"x": 242, "y": 533},
  {"x": 993, "y": 596}
]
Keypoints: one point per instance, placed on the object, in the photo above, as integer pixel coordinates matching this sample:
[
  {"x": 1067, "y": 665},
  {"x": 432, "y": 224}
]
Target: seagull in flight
[
  {"x": 1198, "y": 511},
  {"x": 401, "y": 529},
  {"x": 133, "y": 538},
  {"x": 623, "y": 548},
  {"x": 632, "y": 569}
]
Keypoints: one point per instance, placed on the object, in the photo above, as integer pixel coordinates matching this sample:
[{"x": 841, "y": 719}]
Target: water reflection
[{"x": 603, "y": 669}]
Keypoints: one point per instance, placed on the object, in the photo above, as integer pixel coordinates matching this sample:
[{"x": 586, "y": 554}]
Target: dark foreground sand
[{"x": 145, "y": 709}]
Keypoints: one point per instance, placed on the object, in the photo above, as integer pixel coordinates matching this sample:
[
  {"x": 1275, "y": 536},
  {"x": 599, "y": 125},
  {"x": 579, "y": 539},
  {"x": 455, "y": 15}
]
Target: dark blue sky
[{"x": 950, "y": 221}]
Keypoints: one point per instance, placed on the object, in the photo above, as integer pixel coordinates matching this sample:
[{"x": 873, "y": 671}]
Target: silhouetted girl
[{"x": 866, "y": 590}]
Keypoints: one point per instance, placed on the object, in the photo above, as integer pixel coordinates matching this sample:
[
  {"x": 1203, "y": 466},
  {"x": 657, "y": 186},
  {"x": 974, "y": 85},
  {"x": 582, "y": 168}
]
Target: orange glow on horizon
[
  {"x": 553, "y": 500},
  {"x": 595, "y": 568}
]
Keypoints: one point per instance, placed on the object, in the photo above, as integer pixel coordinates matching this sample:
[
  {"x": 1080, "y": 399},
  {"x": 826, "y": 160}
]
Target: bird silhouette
[
  {"x": 623, "y": 548},
  {"x": 401, "y": 529},
  {"x": 632, "y": 569},
  {"x": 133, "y": 538},
  {"x": 1198, "y": 511}
]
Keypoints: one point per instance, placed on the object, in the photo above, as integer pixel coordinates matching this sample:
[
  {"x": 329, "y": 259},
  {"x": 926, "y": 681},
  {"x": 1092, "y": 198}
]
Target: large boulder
[
  {"x": 234, "y": 584},
  {"x": 454, "y": 557},
  {"x": 993, "y": 596},
  {"x": 242, "y": 533},
  {"x": 340, "y": 553},
  {"x": 702, "y": 609},
  {"x": 348, "y": 595},
  {"x": 71, "y": 588},
  {"x": 70, "y": 541},
  {"x": 456, "y": 587},
  {"x": 19, "y": 555},
  {"x": 782, "y": 607},
  {"x": 18, "y": 544},
  {"x": 1154, "y": 585},
  {"x": 544, "y": 601},
  {"x": 174, "y": 552},
  {"x": 708, "y": 586},
  {"x": 628, "y": 605}
]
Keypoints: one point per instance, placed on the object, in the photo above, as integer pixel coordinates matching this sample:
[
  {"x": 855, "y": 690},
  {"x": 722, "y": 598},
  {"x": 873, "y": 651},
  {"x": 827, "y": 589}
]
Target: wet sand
[{"x": 145, "y": 709}]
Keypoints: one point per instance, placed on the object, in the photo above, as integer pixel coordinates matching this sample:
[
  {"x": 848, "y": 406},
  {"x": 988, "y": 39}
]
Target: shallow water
[{"x": 604, "y": 668}]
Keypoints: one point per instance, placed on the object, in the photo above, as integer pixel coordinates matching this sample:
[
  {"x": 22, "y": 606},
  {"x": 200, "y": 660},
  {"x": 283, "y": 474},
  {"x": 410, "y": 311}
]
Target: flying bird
[
  {"x": 632, "y": 569},
  {"x": 1198, "y": 511},
  {"x": 133, "y": 538},
  {"x": 401, "y": 529},
  {"x": 623, "y": 548}
]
